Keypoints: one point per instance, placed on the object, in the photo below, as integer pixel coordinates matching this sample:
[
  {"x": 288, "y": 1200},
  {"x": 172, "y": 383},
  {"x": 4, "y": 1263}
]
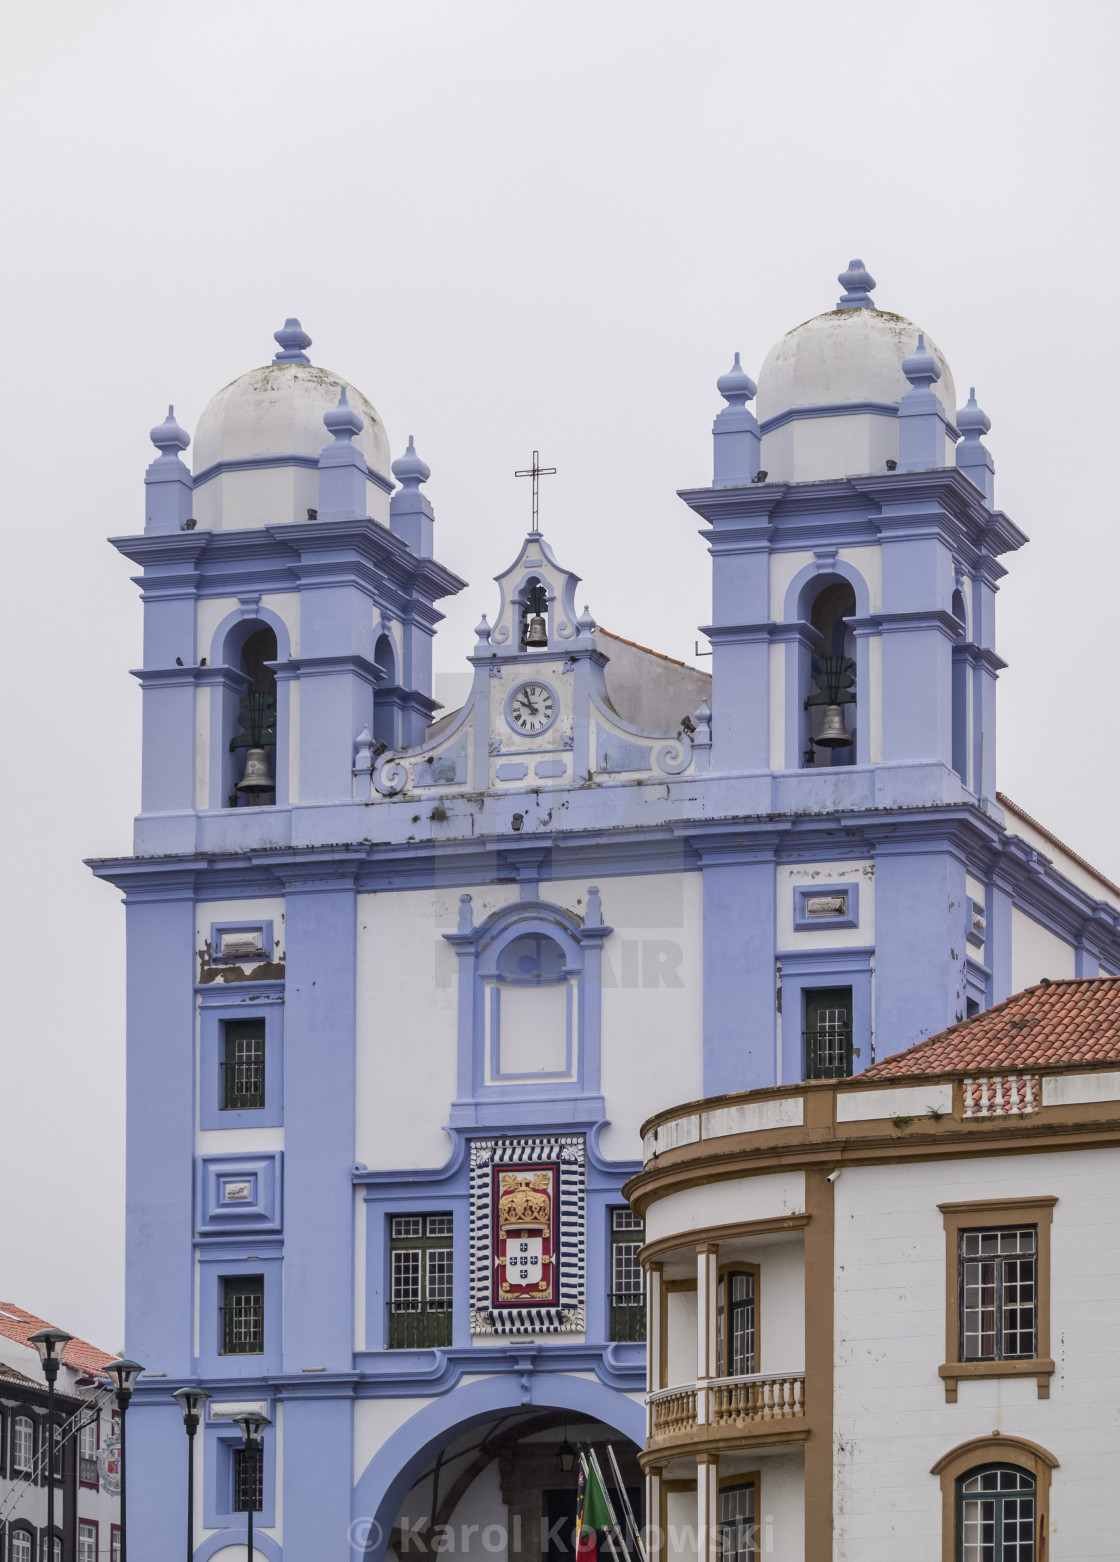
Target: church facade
[{"x": 403, "y": 985}]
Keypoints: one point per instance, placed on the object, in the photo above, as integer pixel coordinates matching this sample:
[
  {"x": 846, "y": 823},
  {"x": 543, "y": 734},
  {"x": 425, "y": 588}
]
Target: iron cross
[{"x": 536, "y": 472}]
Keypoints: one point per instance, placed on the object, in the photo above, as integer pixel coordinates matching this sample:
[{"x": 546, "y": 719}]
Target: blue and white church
[{"x": 404, "y": 982}]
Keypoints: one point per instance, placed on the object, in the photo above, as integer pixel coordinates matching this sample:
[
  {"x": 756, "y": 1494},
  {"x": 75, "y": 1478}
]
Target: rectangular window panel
[
  {"x": 439, "y": 1279},
  {"x": 828, "y": 1032},
  {"x": 87, "y": 1440},
  {"x": 248, "y": 1480},
  {"x": 626, "y": 1220},
  {"x": 408, "y": 1226},
  {"x": 115, "y": 1545},
  {"x": 998, "y": 1293},
  {"x": 243, "y": 1316},
  {"x": 243, "y": 1066},
  {"x": 87, "y": 1543},
  {"x": 406, "y": 1281},
  {"x": 737, "y": 1524},
  {"x": 626, "y": 1272},
  {"x": 23, "y": 1444},
  {"x": 439, "y": 1225}
]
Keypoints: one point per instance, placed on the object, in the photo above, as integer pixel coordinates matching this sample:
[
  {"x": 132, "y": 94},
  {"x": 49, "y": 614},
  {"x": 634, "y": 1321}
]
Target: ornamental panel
[{"x": 528, "y": 1235}]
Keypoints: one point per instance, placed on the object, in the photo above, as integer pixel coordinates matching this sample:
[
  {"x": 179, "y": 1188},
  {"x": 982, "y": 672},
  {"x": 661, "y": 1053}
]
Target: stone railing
[
  {"x": 999, "y": 1095},
  {"x": 739, "y": 1404}
]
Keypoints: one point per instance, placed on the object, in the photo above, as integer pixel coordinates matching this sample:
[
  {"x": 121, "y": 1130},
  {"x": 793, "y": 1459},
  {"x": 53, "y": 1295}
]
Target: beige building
[{"x": 883, "y": 1311}]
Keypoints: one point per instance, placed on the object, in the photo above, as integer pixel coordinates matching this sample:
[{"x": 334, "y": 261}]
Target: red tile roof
[
  {"x": 1053, "y": 1023},
  {"x": 16, "y": 1324}
]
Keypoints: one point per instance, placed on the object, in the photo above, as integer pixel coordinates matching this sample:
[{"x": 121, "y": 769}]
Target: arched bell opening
[
  {"x": 534, "y": 615},
  {"x": 960, "y": 690},
  {"x": 251, "y": 717},
  {"x": 507, "y": 1487},
  {"x": 386, "y": 720},
  {"x": 828, "y": 691}
]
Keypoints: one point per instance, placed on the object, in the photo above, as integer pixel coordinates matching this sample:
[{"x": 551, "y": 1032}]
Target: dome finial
[
  {"x": 293, "y": 341},
  {"x": 341, "y": 419},
  {"x": 168, "y": 437},
  {"x": 736, "y": 386},
  {"x": 857, "y": 282},
  {"x": 973, "y": 457},
  {"x": 921, "y": 368},
  {"x": 409, "y": 470}
]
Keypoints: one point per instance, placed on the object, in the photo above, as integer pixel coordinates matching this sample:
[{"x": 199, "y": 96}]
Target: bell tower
[{"x": 855, "y": 562}]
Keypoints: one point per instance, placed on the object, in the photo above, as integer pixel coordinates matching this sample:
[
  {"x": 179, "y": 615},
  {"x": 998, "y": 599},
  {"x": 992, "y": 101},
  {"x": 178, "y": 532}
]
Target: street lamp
[
  {"x": 50, "y": 1343},
  {"x": 251, "y": 1425},
  {"x": 192, "y": 1402},
  {"x": 124, "y": 1373}
]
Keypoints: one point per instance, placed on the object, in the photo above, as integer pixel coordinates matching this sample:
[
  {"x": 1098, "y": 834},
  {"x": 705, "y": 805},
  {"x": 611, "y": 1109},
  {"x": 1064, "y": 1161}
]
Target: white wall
[
  {"x": 407, "y": 1025},
  {"x": 722, "y": 1203},
  {"x": 892, "y": 1421},
  {"x": 1036, "y": 952},
  {"x": 819, "y": 876},
  {"x": 681, "y": 1355},
  {"x": 652, "y": 1006}
]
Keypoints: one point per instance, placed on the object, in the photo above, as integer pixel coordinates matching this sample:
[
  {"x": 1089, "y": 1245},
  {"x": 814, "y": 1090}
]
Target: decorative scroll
[{"x": 528, "y": 1235}]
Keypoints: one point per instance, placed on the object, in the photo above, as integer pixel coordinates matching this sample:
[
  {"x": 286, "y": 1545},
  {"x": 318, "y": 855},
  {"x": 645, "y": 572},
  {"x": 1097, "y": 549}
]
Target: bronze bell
[
  {"x": 833, "y": 733},
  {"x": 257, "y": 775},
  {"x": 538, "y": 631}
]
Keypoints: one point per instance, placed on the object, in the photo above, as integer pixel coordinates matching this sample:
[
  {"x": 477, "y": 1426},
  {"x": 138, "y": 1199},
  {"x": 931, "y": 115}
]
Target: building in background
[
  {"x": 87, "y": 1434},
  {"x": 403, "y": 984},
  {"x": 881, "y": 1309}
]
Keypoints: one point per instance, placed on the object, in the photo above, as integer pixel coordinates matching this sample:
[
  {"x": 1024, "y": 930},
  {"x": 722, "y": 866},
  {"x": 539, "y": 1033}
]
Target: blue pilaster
[{"x": 740, "y": 1024}]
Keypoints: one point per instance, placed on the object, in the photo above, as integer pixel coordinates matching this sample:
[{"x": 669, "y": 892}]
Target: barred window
[
  {"x": 628, "y": 1289},
  {"x": 828, "y": 1032},
  {"x": 998, "y": 1293},
  {"x": 248, "y": 1480},
  {"x": 996, "y": 1515},
  {"x": 243, "y": 1065},
  {"x": 738, "y": 1532},
  {"x": 735, "y": 1323},
  {"x": 243, "y": 1315},
  {"x": 421, "y": 1280},
  {"x": 23, "y": 1445}
]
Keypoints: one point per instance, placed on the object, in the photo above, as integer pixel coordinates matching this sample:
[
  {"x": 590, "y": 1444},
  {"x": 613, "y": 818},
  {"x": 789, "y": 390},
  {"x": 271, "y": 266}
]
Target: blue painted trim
[
  {"x": 218, "y": 1261},
  {"x": 849, "y": 917},
  {"x": 240, "y": 1001},
  {"x": 823, "y": 409},
  {"x": 221, "y": 1440},
  {"x": 263, "y": 463},
  {"x": 261, "y": 1211},
  {"x": 263, "y": 926}
]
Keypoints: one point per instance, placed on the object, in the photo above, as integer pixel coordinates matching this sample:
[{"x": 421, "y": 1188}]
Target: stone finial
[
  {"x": 736, "y": 441},
  {"x": 409, "y": 470},
  {"x": 466, "y": 914},
  {"x": 293, "y": 340},
  {"x": 594, "y": 917},
  {"x": 973, "y": 457},
  {"x": 342, "y": 467},
  {"x": 585, "y": 624},
  {"x": 168, "y": 484},
  {"x": 168, "y": 437},
  {"x": 341, "y": 419},
  {"x": 411, "y": 515},
  {"x": 483, "y": 632},
  {"x": 921, "y": 368},
  {"x": 736, "y": 386},
  {"x": 857, "y": 283}
]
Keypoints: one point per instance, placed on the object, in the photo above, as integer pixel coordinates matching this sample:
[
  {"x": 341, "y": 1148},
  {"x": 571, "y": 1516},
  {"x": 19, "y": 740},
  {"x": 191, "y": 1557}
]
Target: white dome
[
  {"x": 847, "y": 355},
  {"x": 277, "y": 410}
]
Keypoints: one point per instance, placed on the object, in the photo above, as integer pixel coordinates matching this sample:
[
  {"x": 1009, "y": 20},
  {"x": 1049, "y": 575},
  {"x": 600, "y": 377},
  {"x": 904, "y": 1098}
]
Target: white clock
[{"x": 531, "y": 708}]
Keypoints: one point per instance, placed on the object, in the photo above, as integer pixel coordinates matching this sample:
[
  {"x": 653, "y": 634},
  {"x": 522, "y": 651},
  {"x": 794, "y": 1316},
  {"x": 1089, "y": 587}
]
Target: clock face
[{"x": 531, "y": 708}]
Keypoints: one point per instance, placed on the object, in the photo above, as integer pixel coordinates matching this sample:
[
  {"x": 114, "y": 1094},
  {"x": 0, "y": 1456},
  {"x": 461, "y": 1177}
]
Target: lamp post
[
  {"x": 192, "y": 1402},
  {"x": 124, "y": 1373},
  {"x": 50, "y": 1343},
  {"x": 251, "y": 1425}
]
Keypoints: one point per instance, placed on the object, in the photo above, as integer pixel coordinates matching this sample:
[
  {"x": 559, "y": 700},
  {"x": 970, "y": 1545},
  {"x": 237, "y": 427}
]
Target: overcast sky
[{"x": 513, "y": 226}]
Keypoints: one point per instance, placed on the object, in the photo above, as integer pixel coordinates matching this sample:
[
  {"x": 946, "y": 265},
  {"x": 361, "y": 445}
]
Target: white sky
[{"x": 512, "y": 225}]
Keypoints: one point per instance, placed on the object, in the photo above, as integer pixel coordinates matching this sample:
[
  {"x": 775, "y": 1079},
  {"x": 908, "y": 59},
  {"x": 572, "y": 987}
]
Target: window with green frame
[
  {"x": 628, "y": 1291},
  {"x": 996, "y": 1515},
  {"x": 421, "y": 1275},
  {"x": 243, "y": 1065},
  {"x": 828, "y": 1032},
  {"x": 735, "y": 1323},
  {"x": 242, "y": 1315}
]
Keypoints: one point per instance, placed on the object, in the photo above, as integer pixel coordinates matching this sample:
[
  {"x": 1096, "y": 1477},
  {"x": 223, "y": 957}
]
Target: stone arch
[{"x": 403, "y": 1457}]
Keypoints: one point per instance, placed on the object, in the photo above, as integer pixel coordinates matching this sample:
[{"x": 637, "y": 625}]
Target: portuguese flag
[{"x": 593, "y": 1513}]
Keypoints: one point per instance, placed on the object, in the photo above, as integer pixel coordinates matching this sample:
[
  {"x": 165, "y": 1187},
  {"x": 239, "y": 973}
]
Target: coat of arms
[{"x": 524, "y": 1229}]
